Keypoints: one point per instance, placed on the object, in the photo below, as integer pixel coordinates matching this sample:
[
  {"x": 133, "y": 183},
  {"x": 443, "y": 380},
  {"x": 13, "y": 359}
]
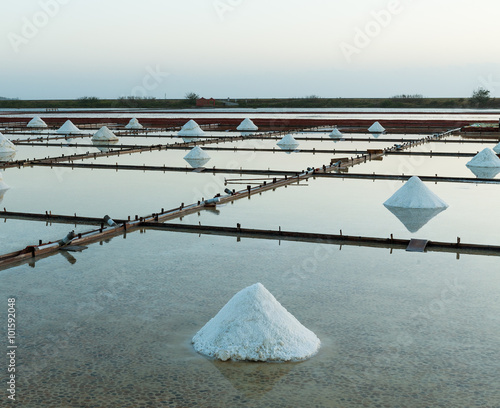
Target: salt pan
[{"x": 254, "y": 326}]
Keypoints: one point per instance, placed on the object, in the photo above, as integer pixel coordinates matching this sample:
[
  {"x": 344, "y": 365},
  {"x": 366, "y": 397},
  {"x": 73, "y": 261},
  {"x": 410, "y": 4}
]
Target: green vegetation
[
  {"x": 313, "y": 101},
  {"x": 192, "y": 97},
  {"x": 480, "y": 98}
]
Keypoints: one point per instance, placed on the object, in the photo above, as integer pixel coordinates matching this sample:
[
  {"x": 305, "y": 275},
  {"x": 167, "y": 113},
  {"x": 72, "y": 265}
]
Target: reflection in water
[
  {"x": 3, "y": 188},
  {"x": 484, "y": 172},
  {"x": 289, "y": 149},
  {"x": 251, "y": 378},
  {"x": 414, "y": 218},
  {"x": 213, "y": 210},
  {"x": 7, "y": 156},
  {"x": 104, "y": 145},
  {"x": 196, "y": 163},
  {"x": 2, "y": 193},
  {"x": 70, "y": 258}
]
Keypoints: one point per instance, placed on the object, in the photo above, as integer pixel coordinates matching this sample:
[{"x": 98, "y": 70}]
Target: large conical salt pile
[
  {"x": 104, "y": 135},
  {"x": 496, "y": 149},
  {"x": 197, "y": 157},
  {"x": 336, "y": 133},
  {"x": 247, "y": 126},
  {"x": 6, "y": 146},
  {"x": 133, "y": 124},
  {"x": 254, "y": 326},
  {"x": 69, "y": 129},
  {"x": 36, "y": 122},
  {"x": 485, "y": 158},
  {"x": 288, "y": 143},
  {"x": 415, "y": 194},
  {"x": 191, "y": 129},
  {"x": 376, "y": 128}
]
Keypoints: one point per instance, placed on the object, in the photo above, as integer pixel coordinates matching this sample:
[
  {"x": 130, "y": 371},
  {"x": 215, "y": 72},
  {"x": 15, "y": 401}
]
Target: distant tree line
[{"x": 409, "y": 96}]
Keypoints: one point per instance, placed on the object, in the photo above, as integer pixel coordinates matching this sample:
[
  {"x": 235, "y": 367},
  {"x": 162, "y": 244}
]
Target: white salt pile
[
  {"x": 254, "y": 326},
  {"x": 288, "y": 143},
  {"x": 376, "y": 128},
  {"x": 197, "y": 157},
  {"x": 191, "y": 129},
  {"x": 415, "y": 194},
  {"x": 485, "y": 158},
  {"x": 68, "y": 129},
  {"x": 36, "y": 122},
  {"x": 336, "y": 133},
  {"x": 496, "y": 149},
  {"x": 247, "y": 125},
  {"x": 133, "y": 124},
  {"x": 6, "y": 146},
  {"x": 104, "y": 135}
]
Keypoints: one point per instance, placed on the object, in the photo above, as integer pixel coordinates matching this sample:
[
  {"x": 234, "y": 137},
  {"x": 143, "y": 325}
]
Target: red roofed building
[{"x": 205, "y": 102}]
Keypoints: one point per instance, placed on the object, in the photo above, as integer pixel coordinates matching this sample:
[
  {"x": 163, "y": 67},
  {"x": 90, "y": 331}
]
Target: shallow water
[{"x": 398, "y": 330}]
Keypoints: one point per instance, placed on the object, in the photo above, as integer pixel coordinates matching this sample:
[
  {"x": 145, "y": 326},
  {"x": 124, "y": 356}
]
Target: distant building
[{"x": 205, "y": 102}]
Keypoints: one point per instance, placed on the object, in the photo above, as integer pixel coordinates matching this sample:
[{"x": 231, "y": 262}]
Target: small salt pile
[
  {"x": 415, "y": 194},
  {"x": 133, "y": 124},
  {"x": 247, "y": 126},
  {"x": 191, "y": 129},
  {"x": 197, "y": 157},
  {"x": 36, "y": 122},
  {"x": 104, "y": 135},
  {"x": 288, "y": 143},
  {"x": 6, "y": 146},
  {"x": 496, "y": 149},
  {"x": 485, "y": 158},
  {"x": 376, "y": 128},
  {"x": 336, "y": 133},
  {"x": 254, "y": 326},
  {"x": 69, "y": 129}
]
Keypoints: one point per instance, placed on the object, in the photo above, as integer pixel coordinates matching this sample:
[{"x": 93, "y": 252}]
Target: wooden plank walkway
[
  {"x": 249, "y": 149},
  {"x": 335, "y": 239}
]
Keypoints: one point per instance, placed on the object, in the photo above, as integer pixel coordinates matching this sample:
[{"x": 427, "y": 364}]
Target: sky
[{"x": 66, "y": 49}]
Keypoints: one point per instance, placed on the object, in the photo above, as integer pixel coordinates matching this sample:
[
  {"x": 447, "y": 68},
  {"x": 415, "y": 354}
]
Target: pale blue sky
[{"x": 248, "y": 48}]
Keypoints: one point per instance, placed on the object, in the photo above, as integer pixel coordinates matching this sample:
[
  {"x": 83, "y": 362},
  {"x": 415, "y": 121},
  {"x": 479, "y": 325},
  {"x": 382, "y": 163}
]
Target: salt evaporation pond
[
  {"x": 405, "y": 329},
  {"x": 111, "y": 326}
]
